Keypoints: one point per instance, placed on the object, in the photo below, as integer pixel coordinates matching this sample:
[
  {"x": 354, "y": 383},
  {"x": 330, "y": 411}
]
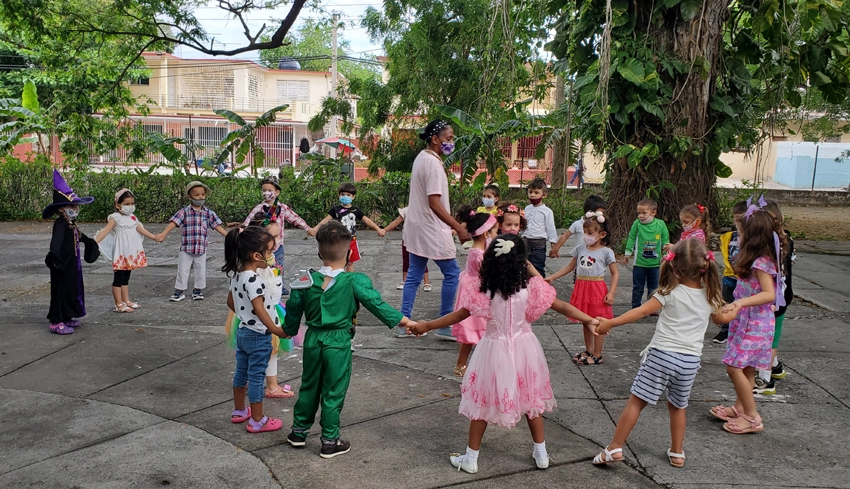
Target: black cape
[{"x": 67, "y": 298}]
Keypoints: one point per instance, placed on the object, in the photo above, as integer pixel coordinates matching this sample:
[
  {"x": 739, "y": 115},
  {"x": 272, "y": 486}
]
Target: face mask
[
  {"x": 646, "y": 220},
  {"x": 268, "y": 196},
  {"x": 128, "y": 209},
  {"x": 270, "y": 261},
  {"x": 489, "y": 202},
  {"x": 72, "y": 214},
  {"x": 346, "y": 200},
  {"x": 536, "y": 201},
  {"x": 589, "y": 240},
  {"x": 510, "y": 231},
  {"x": 198, "y": 202},
  {"x": 447, "y": 148},
  {"x": 689, "y": 227}
]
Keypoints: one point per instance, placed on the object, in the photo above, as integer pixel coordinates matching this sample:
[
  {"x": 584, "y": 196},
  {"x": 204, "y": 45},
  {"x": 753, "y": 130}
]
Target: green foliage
[{"x": 242, "y": 142}]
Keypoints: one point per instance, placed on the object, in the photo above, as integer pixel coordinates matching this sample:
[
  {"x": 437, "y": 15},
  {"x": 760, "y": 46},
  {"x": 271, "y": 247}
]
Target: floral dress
[
  {"x": 128, "y": 253},
  {"x": 751, "y": 332}
]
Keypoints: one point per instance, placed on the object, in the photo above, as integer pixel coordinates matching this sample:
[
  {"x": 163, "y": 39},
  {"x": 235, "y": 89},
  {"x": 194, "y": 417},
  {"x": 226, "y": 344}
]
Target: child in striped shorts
[{"x": 688, "y": 295}]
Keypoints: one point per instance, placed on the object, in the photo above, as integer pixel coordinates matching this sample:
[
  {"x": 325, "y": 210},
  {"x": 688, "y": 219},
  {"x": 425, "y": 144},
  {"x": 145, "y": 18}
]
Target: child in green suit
[{"x": 329, "y": 299}]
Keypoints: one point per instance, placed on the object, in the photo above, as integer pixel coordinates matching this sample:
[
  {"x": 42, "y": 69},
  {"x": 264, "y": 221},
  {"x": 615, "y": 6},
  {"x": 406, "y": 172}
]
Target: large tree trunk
[
  {"x": 687, "y": 115},
  {"x": 560, "y": 153}
]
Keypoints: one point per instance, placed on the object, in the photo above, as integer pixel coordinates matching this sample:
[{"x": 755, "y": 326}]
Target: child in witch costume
[
  {"x": 67, "y": 299},
  {"x": 329, "y": 299}
]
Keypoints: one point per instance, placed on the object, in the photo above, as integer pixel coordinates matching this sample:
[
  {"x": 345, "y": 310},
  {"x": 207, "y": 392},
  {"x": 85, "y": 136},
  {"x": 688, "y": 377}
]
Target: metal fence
[{"x": 812, "y": 166}]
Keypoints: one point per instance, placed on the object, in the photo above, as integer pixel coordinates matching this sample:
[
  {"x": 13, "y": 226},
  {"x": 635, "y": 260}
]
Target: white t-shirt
[
  {"x": 246, "y": 286},
  {"x": 541, "y": 223},
  {"x": 577, "y": 228},
  {"x": 424, "y": 233},
  {"x": 682, "y": 322}
]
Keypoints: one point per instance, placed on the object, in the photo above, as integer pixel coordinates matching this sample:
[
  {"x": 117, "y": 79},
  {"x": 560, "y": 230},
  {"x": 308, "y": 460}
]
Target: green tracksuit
[{"x": 329, "y": 315}]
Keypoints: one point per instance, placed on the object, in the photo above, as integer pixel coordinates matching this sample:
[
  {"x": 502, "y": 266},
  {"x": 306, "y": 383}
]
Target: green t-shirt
[{"x": 646, "y": 242}]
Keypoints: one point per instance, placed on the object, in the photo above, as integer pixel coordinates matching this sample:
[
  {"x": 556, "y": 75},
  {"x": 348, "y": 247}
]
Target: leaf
[
  {"x": 29, "y": 98},
  {"x": 461, "y": 118},
  {"x": 231, "y": 116},
  {"x": 690, "y": 8},
  {"x": 270, "y": 116},
  {"x": 722, "y": 170},
  {"x": 632, "y": 70},
  {"x": 623, "y": 150},
  {"x": 480, "y": 179},
  {"x": 820, "y": 79}
]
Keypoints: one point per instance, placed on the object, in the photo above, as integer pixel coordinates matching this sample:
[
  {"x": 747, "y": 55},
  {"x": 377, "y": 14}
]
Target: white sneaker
[
  {"x": 460, "y": 461},
  {"x": 542, "y": 463}
]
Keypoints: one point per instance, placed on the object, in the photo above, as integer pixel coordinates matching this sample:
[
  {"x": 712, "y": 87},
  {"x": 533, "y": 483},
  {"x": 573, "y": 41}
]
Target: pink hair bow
[
  {"x": 670, "y": 256},
  {"x": 709, "y": 256}
]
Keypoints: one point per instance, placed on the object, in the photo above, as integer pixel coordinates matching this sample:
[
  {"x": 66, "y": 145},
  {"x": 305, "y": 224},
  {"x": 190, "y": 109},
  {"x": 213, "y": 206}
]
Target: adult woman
[{"x": 429, "y": 223}]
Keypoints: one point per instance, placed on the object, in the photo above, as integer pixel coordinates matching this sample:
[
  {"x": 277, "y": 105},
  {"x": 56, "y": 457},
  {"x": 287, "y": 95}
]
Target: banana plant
[
  {"x": 19, "y": 118},
  {"x": 243, "y": 141}
]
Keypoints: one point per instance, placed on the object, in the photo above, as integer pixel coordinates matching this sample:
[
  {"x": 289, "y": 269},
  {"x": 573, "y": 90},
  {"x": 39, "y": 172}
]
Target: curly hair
[
  {"x": 506, "y": 208},
  {"x": 506, "y": 274},
  {"x": 691, "y": 261}
]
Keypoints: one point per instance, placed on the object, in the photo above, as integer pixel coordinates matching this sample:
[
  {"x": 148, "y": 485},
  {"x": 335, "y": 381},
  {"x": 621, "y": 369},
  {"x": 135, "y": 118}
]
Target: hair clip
[
  {"x": 709, "y": 256},
  {"x": 600, "y": 217},
  {"x": 503, "y": 247},
  {"x": 753, "y": 208},
  {"x": 670, "y": 256},
  {"x": 701, "y": 208}
]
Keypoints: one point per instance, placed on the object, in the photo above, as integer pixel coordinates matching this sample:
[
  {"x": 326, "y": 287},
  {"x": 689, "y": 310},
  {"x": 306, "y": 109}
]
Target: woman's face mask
[{"x": 447, "y": 147}]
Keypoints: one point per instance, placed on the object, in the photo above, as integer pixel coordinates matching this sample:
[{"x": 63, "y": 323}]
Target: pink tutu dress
[
  {"x": 508, "y": 376},
  {"x": 471, "y": 329}
]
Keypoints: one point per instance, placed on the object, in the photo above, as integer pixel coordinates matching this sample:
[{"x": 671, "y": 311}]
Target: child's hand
[
  {"x": 382, "y": 233},
  {"x": 624, "y": 260},
  {"x": 311, "y": 232},
  {"x": 603, "y": 328},
  {"x": 729, "y": 308},
  {"x": 549, "y": 279},
  {"x": 609, "y": 299},
  {"x": 418, "y": 328},
  {"x": 668, "y": 247},
  {"x": 159, "y": 238},
  {"x": 593, "y": 325},
  {"x": 555, "y": 253}
]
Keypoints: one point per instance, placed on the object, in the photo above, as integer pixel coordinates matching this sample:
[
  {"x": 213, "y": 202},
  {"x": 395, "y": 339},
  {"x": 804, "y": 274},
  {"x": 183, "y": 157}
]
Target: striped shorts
[{"x": 666, "y": 371}]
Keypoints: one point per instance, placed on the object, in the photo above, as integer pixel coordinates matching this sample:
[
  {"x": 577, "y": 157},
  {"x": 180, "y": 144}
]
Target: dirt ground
[{"x": 818, "y": 223}]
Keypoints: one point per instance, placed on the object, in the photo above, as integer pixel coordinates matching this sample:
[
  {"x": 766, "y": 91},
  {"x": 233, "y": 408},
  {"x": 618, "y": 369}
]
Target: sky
[{"x": 229, "y": 32}]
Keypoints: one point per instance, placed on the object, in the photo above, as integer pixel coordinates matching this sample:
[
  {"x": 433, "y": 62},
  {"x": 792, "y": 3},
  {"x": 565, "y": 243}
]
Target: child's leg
[
  {"x": 744, "y": 381},
  {"x": 588, "y": 338},
  {"x": 240, "y": 377},
  {"x": 184, "y": 266},
  {"x": 678, "y": 421},
  {"x": 309, "y": 395},
  {"x": 125, "y": 293},
  {"x": 536, "y": 427},
  {"x": 652, "y": 275},
  {"x": 259, "y": 351},
  {"x": 200, "y": 262},
  {"x": 627, "y": 423},
  {"x": 336, "y": 375},
  {"x": 638, "y": 281},
  {"x": 476, "y": 433},
  {"x": 597, "y": 345},
  {"x": 426, "y": 279},
  {"x": 116, "y": 287},
  {"x": 463, "y": 354},
  {"x": 271, "y": 376}
]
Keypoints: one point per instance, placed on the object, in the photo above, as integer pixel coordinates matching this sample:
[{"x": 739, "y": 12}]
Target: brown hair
[
  {"x": 334, "y": 240},
  {"x": 649, "y": 203},
  {"x": 691, "y": 261},
  {"x": 504, "y": 209},
  {"x": 756, "y": 240},
  {"x": 698, "y": 211},
  {"x": 773, "y": 209}
]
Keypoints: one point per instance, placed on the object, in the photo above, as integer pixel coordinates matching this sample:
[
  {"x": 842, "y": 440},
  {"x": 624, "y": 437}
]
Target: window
[
  {"x": 293, "y": 90},
  {"x": 150, "y": 128},
  {"x": 832, "y": 139},
  {"x": 211, "y": 136},
  {"x": 141, "y": 81},
  {"x": 189, "y": 137},
  {"x": 284, "y": 139}
]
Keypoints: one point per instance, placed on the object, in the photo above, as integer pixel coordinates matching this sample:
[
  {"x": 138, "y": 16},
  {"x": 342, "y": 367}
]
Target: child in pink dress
[
  {"x": 694, "y": 219},
  {"x": 508, "y": 376},
  {"x": 469, "y": 331}
]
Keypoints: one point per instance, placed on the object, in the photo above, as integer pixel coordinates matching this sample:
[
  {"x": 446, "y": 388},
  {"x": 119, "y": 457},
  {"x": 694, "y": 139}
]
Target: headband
[
  {"x": 119, "y": 193},
  {"x": 438, "y": 126},
  {"x": 491, "y": 221},
  {"x": 511, "y": 209}
]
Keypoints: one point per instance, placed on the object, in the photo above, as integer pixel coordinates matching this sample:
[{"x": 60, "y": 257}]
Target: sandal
[
  {"x": 607, "y": 456},
  {"x": 237, "y": 417},
  {"x": 266, "y": 424},
  {"x": 460, "y": 371},
  {"x": 591, "y": 359},
  {"x": 670, "y": 456},
  {"x": 123, "y": 307},
  {"x": 134, "y": 305},
  {"x": 61, "y": 328},
  {"x": 426, "y": 287},
  {"x": 719, "y": 412},
  {"x": 284, "y": 392},
  {"x": 579, "y": 357},
  {"x": 755, "y": 426}
]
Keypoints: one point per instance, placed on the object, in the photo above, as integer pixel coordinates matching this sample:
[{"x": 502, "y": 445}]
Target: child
[
  {"x": 729, "y": 249},
  {"x": 195, "y": 221},
  {"x": 127, "y": 251},
  {"x": 751, "y": 331},
  {"x": 647, "y": 237},
  {"x": 765, "y": 380},
  {"x": 405, "y": 255},
  {"x": 694, "y": 223},
  {"x": 278, "y": 212},
  {"x": 490, "y": 199},
  {"x": 67, "y": 299},
  {"x": 688, "y": 296},
  {"x": 591, "y": 295},
  {"x": 511, "y": 219},
  {"x": 593, "y": 203},
  {"x": 541, "y": 225},
  {"x": 348, "y": 216},
  {"x": 329, "y": 304},
  {"x": 246, "y": 251},
  {"x": 469, "y": 331},
  {"x": 508, "y": 376}
]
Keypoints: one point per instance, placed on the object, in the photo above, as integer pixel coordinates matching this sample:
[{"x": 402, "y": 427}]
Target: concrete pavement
[{"x": 143, "y": 399}]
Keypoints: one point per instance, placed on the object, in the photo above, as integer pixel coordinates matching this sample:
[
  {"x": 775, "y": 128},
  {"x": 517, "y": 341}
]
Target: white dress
[{"x": 128, "y": 253}]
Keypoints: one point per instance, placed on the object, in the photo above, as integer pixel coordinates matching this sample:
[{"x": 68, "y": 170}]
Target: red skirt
[
  {"x": 589, "y": 296},
  {"x": 355, "y": 251}
]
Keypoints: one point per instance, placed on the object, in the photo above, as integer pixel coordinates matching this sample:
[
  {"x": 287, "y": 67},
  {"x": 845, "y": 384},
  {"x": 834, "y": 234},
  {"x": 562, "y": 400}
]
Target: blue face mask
[
  {"x": 346, "y": 200},
  {"x": 488, "y": 202}
]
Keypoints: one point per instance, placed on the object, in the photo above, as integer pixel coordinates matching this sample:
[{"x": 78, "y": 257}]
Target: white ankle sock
[
  {"x": 471, "y": 455},
  {"x": 540, "y": 450},
  {"x": 775, "y": 361},
  {"x": 765, "y": 375}
]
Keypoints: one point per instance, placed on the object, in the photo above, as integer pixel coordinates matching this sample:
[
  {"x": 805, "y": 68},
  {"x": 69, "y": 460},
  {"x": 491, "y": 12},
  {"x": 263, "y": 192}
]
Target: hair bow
[
  {"x": 670, "y": 256},
  {"x": 503, "y": 247},
  {"x": 753, "y": 208},
  {"x": 701, "y": 208},
  {"x": 709, "y": 256},
  {"x": 600, "y": 217},
  {"x": 471, "y": 213}
]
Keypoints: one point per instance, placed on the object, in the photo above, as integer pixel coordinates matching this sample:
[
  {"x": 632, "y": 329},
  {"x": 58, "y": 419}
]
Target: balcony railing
[{"x": 297, "y": 109}]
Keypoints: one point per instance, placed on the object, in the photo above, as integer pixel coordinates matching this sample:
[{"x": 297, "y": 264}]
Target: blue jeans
[
  {"x": 278, "y": 257},
  {"x": 418, "y": 266},
  {"x": 642, "y": 276},
  {"x": 537, "y": 257},
  {"x": 253, "y": 351}
]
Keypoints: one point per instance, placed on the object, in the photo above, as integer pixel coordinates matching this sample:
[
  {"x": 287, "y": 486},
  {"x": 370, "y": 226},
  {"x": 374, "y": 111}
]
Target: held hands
[
  {"x": 463, "y": 236},
  {"x": 731, "y": 308},
  {"x": 609, "y": 299},
  {"x": 417, "y": 328},
  {"x": 550, "y": 279},
  {"x": 592, "y": 325},
  {"x": 311, "y": 232},
  {"x": 382, "y": 232},
  {"x": 668, "y": 247},
  {"x": 159, "y": 238},
  {"x": 604, "y": 326},
  {"x": 624, "y": 260},
  {"x": 555, "y": 253}
]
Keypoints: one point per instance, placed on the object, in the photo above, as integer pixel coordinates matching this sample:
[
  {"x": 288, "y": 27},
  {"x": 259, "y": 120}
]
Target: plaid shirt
[
  {"x": 196, "y": 225},
  {"x": 285, "y": 214}
]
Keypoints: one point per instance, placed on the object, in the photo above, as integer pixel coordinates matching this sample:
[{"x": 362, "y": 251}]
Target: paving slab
[{"x": 578, "y": 475}]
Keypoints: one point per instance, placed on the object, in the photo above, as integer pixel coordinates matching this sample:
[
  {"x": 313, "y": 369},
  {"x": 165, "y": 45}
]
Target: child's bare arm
[
  {"x": 555, "y": 252},
  {"x": 144, "y": 232},
  {"x": 391, "y": 226},
  {"x": 447, "y": 320},
  {"x": 260, "y": 310},
  {"x": 103, "y": 232},
  {"x": 563, "y": 271},
  {"x": 570, "y": 311},
  {"x": 221, "y": 230},
  {"x": 374, "y": 226},
  {"x": 650, "y": 306},
  {"x": 615, "y": 277},
  {"x": 230, "y": 302},
  {"x": 321, "y": 223}
]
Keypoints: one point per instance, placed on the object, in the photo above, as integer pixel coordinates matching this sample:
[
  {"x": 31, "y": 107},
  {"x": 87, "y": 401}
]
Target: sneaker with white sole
[
  {"x": 296, "y": 440},
  {"x": 177, "y": 296},
  {"x": 197, "y": 295},
  {"x": 444, "y": 334},
  {"x": 542, "y": 463},
  {"x": 462, "y": 463},
  {"x": 721, "y": 337},
  {"x": 764, "y": 387},
  {"x": 337, "y": 447},
  {"x": 778, "y": 372}
]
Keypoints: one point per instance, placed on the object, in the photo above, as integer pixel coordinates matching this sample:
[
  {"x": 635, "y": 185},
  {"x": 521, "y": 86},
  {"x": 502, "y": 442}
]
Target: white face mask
[
  {"x": 268, "y": 195},
  {"x": 646, "y": 220},
  {"x": 128, "y": 210}
]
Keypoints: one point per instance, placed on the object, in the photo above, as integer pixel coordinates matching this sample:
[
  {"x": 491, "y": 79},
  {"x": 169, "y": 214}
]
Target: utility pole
[{"x": 334, "y": 76}]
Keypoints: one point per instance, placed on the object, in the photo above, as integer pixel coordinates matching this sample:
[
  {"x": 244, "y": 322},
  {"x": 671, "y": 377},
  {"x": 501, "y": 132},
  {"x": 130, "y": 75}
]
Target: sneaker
[
  {"x": 542, "y": 463},
  {"x": 461, "y": 462},
  {"x": 296, "y": 440},
  {"x": 197, "y": 295},
  {"x": 778, "y": 372},
  {"x": 721, "y": 337},
  {"x": 444, "y": 334},
  {"x": 764, "y": 388},
  {"x": 338, "y": 447},
  {"x": 177, "y": 296},
  {"x": 285, "y": 291}
]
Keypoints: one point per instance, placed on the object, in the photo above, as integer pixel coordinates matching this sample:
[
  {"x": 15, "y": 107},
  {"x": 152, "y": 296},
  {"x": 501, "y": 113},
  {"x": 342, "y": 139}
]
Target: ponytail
[{"x": 240, "y": 244}]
